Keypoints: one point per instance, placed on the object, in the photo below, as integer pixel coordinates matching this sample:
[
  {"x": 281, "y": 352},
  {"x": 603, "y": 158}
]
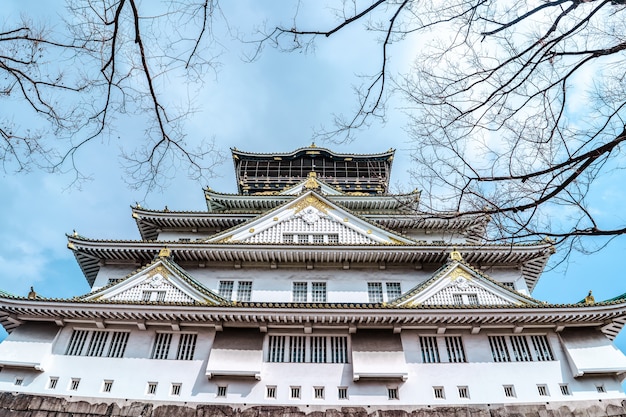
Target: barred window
[
  {"x": 318, "y": 349},
  {"x": 509, "y": 391},
  {"x": 430, "y": 351},
  {"x": 186, "y": 346},
  {"x": 339, "y": 349},
  {"x": 97, "y": 343},
  {"x": 392, "y": 393},
  {"x": 318, "y": 393},
  {"x": 565, "y": 389},
  {"x": 295, "y": 392},
  {"x": 333, "y": 238},
  {"x": 288, "y": 238},
  {"x": 499, "y": 349},
  {"x": 375, "y": 292},
  {"x": 119, "y": 340},
  {"x": 303, "y": 238},
  {"x": 74, "y": 383},
  {"x": 439, "y": 393},
  {"x": 277, "y": 349},
  {"x": 542, "y": 348},
  {"x": 342, "y": 393},
  {"x": 318, "y": 239},
  {"x": 542, "y": 390},
  {"x": 393, "y": 290},
  {"x": 521, "y": 351},
  {"x": 299, "y": 292},
  {"x": 454, "y": 347},
  {"x": 222, "y": 390},
  {"x": 77, "y": 342},
  {"x": 151, "y": 388},
  {"x": 296, "y": 349},
  {"x": 244, "y": 290},
  {"x": 463, "y": 392},
  {"x": 314, "y": 349},
  {"x": 52, "y": 383},
  {"x": 318, "y": 292},
  {"x": 175, "y": 391},
  {"x": 107, "y": 385},
  {"x": 225, "y": 289},
  {"x": 270, "y": 391},
  {"x": 161, "y": 347}
]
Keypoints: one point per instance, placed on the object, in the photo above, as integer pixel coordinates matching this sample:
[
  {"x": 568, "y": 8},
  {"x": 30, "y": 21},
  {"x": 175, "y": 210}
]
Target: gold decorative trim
[
  {"x": 458, "y": 273},
  {"x": 251, "y": 230},
  {"x": 310, "y": 201}
]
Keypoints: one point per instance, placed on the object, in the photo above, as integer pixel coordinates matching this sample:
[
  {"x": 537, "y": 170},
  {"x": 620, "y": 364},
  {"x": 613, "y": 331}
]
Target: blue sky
[{"x": 270, "y": 105}]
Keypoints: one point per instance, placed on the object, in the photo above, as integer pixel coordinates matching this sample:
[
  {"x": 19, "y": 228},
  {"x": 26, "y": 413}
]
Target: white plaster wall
[
  {"x": 481, "y": 375},
  {"x": 342, "y": 285}
]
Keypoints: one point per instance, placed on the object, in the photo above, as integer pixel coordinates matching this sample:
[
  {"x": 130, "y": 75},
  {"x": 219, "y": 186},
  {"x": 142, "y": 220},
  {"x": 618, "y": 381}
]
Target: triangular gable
[
  {"x": 310, "y": 218},
  {"x": 160, "y": 281},
  {"x": 311, "y": 183},
  {"x": 458, "y": 284}
]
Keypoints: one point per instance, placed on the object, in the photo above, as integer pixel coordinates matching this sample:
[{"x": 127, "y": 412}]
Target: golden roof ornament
[
  {"x": 589, "y": 299},
  {"x": 164, "y": 252},
  {"x": 32, "y": 294},
  {"x": 455, "y": 255},
  {"x": 311, "y": 182}
]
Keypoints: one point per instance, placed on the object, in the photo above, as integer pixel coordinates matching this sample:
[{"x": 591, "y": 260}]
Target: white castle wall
[{"x": 131, "y": 374}]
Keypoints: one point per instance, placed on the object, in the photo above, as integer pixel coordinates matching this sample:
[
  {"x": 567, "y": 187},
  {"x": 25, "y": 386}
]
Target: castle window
[
  {"x": 521, "y": 351},
  {"x": 439, "y": 393},
  {"x": 52, "y": 383},
  {"x": 277, "y": 349},
  {"x": 119, "y": 340},
  {"x": 107, "y": 385},
  {"x": 393, "y": 290},
  {"x": 186, "y": 346},
  {"x": 74, "y": 383},
  {"x": 299, "y": 292},
  {"x": 77, "y": 341},
  {"x": 430, "y": 351},
  {"x": 18, "y": 381},
  {"x": 225, "y": 289},
  {"x": 244, "y": 290},
  {"x": 270, "y": 391},
  {"x": 463, "y": 392},
  {"x": 465, "y": 299},
  {"x": 296, "y": 348},
  {"x": 333, "y": 239},
  {"x": 565, "y": 389},
  {"x": 454, "y": 347},
  {"x": 151, "y": 388},
  {"x": 342, "y": 393},
  {"x": 221, "y": 390},
  {"x": 303, "y": 238},
  {"x": 318, "y": 393},
  {"x": 600, "y": 389},
  {"x": 161, "y": 347},
  {"x": 153, "y": 296},
  {"x": 542, "y": 348},
  {"x": 542, "y": 390},
  {"x": 318, "y": 239},
  {"x": 509, "y": 390},
  {"x": 499, "y": 349},
  {"x": 175, "y": 390},
  {"x": 99, "y": 341},
  {"x": 312, "y": 349},
  {"x": 318, "y": 292},
  {"x": 509, "y": 285},
  {"x": 288, "y": 238},
  {"x": 375, "y": 292},
  {"x": 318, "y": 349},
  {"x": 339, "y": 349},
  {"x": 295, "y": 392},
  {"x": 392, "y": 393}
]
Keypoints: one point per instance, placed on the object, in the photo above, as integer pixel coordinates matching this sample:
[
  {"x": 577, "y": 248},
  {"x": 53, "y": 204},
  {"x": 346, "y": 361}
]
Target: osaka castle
[{"x": 312, "y": 286}]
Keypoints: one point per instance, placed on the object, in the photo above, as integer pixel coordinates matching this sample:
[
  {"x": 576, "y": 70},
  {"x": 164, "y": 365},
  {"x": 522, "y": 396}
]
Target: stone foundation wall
[{"x": 21, "y": 405}]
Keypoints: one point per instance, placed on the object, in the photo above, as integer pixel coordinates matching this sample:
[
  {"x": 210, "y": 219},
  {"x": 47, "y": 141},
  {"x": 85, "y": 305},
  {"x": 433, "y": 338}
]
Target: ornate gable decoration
[
  {"x": 311, "y": 183},
  {"x": 159, "y": 282},
  {"x": 311, "y": 219},
  {"x": 457, "y": 284}
]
